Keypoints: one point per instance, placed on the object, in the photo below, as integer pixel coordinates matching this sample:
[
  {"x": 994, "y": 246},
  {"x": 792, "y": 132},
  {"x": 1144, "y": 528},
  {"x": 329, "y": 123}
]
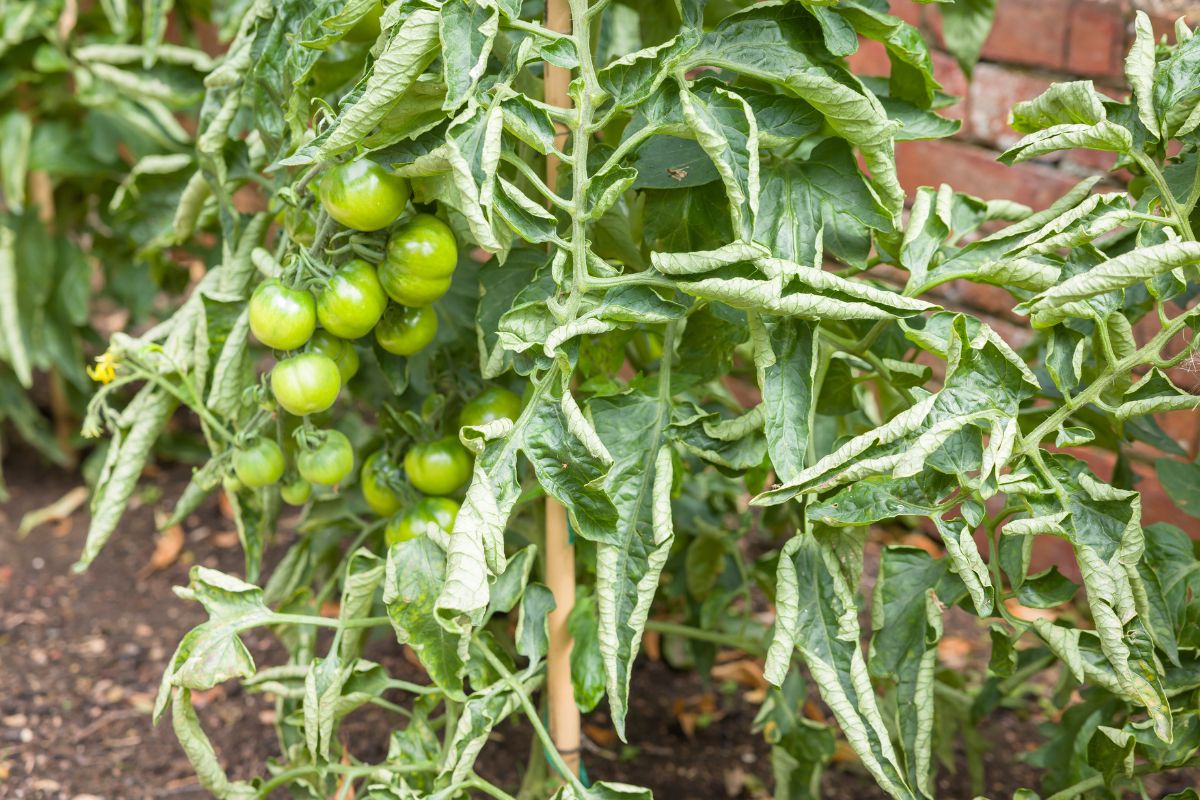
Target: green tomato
[
  {"x": 438, "y": 467},
  {"x": 493, "y": 403},
  {"x": 421, "y": 257},
  {"x": 341, "y": 351},
  {"x": 404, "y": 331},
  {"x": 430, "y": 514},
  {"x": 379, "y": 474},
  {"x": 351, "y": 301},
  {"x": 259, "y": 463},
  {"x": 329, "y": 462},
  {"x": 299, "y": 225},
  {"x": 367, "y": 28},
  {"x": 296, "y": 493},
  {"x": 280, "y": 317},
  {"x": 362, "y": 195},
  {"x": 306, "y": 384}
]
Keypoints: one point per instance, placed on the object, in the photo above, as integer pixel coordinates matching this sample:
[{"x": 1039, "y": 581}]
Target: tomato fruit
[
  {"x": 405, "y": 330},
  {"x": 351, "y": 301},
  {"x": 379, "y": 474},
  {"x": 329, "y": 462},
  {"x": 341, "y": 351},
  {"x": 437, "y": 513},
  {"x": 421, "y": 257},
  {"x": 299, "y": 225},
  {"x": 282, "y": 318},
  {"x": 296, "y": 493},
  {"x": 259, "y": 463},
  {"x": 493, "y": 403},
  {"x": 438, "y": 467},
  {"x": 362, "y": 195},
  {"x": 306, "y": 384}
]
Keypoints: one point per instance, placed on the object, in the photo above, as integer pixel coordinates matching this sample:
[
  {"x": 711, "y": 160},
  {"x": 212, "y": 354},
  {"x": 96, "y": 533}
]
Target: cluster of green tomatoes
[{"x": 311, "y": 327}]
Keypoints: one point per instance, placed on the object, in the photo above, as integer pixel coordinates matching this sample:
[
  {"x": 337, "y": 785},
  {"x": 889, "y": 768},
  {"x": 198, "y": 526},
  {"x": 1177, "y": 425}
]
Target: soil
[{"x": 81, "y": 658}]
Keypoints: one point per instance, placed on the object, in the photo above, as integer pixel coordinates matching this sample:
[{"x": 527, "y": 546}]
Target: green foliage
[
  {"x": 95, "y": 157},
  {"x": 708, "y": 297}
]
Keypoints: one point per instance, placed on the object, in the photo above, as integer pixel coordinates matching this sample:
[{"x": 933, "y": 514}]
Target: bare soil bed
[{"x": 81, "y": 656}]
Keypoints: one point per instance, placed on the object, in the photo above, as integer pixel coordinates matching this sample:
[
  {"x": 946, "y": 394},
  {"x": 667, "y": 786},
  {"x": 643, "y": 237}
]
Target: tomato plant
[{"x": 715, "y": 319}]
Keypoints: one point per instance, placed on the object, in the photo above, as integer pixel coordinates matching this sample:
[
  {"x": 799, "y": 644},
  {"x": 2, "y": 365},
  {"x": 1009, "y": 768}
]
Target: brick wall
[{"x": 1033, "y": 43}]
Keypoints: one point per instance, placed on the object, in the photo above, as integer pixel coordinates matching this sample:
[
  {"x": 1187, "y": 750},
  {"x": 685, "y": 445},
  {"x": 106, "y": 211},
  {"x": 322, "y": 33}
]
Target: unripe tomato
[
  {"x": 329, "y": 462},
  {"x": 306, "y": 384},
  {"x": 280, "y": 317},
  {"x": 431, "y": 513},
  {"x": 362, "y": 195},
  {"x": 351, "y": 301},
  {"x": 259, "y": 463},
  {"x": 405, "y": 330},
  {"x": 299, "y": 225},
  {"x": 379, "y": 474},
  {"x": 493, "y": 403},
  {"x": 421, "y": 257},
  {"x": 438, "y": 467},
  {"x": 296, "y": 493},
  {"x": 341, "y": 351}
]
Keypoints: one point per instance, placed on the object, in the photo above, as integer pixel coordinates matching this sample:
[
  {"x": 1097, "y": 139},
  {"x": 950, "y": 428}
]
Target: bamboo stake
[{"x": 560, "y": 553}]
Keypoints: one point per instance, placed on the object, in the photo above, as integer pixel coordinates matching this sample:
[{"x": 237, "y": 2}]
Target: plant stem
[
  {"x": 342, "y": 769},
  {"x": 534, "y": 719},
  {"x": 1164, "y": 192},
  {"x": 324, "y": 622},
  {"x": 701, "y": 635},
  {"x": 1091, "y": 393}
]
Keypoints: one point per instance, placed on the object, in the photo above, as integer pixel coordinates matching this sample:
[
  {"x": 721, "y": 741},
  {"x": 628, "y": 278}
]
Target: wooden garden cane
[{"x": 560, "y": 553}]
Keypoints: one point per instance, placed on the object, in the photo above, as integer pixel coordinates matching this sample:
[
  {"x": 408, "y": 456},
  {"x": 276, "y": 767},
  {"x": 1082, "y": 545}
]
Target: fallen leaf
[
  {"x": 226, "y": 539},
  {"x": 735, "y": 781},
  {"x": 1029, "y": 614},
  {"x": 603, "y": 735},
  {"x": 843, "y": 753},
  {"x": 914, "y": 539},
  {"x": 59, "y": 510},
  {"x": 652, "y": 645},
  {"x": 955, "y": 651},
  {"x": 747, "y": 672},
  {"x": 167, "y": 548}
]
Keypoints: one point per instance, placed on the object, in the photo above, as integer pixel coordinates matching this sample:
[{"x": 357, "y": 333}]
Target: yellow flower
[{"x": 106, "y": 368}]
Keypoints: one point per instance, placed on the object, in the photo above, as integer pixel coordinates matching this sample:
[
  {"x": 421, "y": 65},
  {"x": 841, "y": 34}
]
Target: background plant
[
  {"x": 84, "y": 95},
  {"x": 708, "y": 176}
]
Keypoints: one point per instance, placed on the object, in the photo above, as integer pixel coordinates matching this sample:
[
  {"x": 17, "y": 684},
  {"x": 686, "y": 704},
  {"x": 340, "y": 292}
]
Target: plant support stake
[{"x": 560, "y": 553}]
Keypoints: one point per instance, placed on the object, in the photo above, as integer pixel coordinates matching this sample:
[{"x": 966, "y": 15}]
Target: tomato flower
[{"x": 105, "y": 370}]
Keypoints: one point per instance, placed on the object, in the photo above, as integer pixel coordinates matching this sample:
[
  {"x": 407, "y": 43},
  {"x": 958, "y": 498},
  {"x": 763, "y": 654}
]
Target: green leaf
[
  {"x": 479, "y": 716},
  {"x": 1047, "y": 589},
  {"x": 775, "y": 44},
  {"x": 817, "y": 617},
  {"x": 1121, "y": 272},
  {"x": 570, "y": 469},
  {"x": 364, "y": 573},
  {"x": 965, "y": 27},
  {"x": 907, "y": 624},
  {"x": 1103, "y": 135},
  {"x": 1139, "y": 72},
  {"x": 785, "y": 356},
  {"x": 200, "y": 753},
  {"x": 1182, "y": 483},
  {"x": 1071, "y": 103},
  {"x": 725, "y": 127},
  {"x": 587, "y": 662},
  {"x": 824, "y": 201},
  {"x": 533, "y": 638},
  {"x": 16, "y": 135},
  {"x": 632, "y": 427},
  {"x": 411, "y": 48},
  {"x": 12, "y": 340},
  {"x": 984, "y": 387},
  {"x": 416, "y": 572},
  {"x": 467, "y": 30},
  {"x": 212, "y": 653},
  {"x": 154, "y": 26},
  {"x": 148, "y": 413},
  {"x": 1111, "y": 751}
]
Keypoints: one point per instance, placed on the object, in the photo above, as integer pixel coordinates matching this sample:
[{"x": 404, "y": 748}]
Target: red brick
[
  {"x": 1030, "y": 32},
  {"x": 908, "y": 11},
  {"x": 870, "y": 59},
  {"x": 1096, "y": 39},
  {"x": 953, "y": 82},
  {"x": 974, "y": 170},
  {"x": 994, "y": 90},
  {"x": 1183, "y": 427}
]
